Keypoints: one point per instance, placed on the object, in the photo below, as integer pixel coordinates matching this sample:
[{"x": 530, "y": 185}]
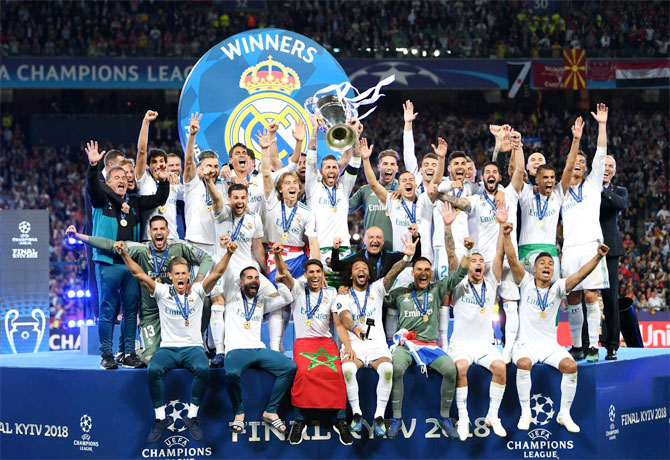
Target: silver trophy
[{"x": 337, "y": 110}]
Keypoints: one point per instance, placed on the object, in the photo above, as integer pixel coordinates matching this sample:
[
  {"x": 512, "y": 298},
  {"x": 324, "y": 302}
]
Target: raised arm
[
  {"x": 441, "y": 152},
  {"x": 311, "y": 172},
  {"x": 93, "y": 185},
  {"x": 517, "y": 160},
  {"x": 597, "y": 173},
  {"x": 259, "y": 251},
  {"x": 215, "y": 194},
  {"x": 71, "y": 232},
  {"x": 601, "y": 117},
  {"x": 142, "y": 142},
  {"x": 408, "y": 154},
  {"x": 299, "y": 133},
  {"x": 265, "y": 140},
  {"x": 501, "y": 216},
  {"x": 588, "y": 267},
  {"x": 189, "y": 159},
  {"x": 145, "y": 280},
  {"x": 217, "y": 271},
  {"x": 448, "y": 216},
  {"x": 283, "y": 273},
  {"x": 461, "y": 203},
  {"x": 410, "y": 249},
  {"x": 566, "y": 178},
  {"x": 146, "y": 202},
  {"x": 376, "y": 187},
  {"x": 274, "y": 151},
  {"x": 518, "y": 271}
]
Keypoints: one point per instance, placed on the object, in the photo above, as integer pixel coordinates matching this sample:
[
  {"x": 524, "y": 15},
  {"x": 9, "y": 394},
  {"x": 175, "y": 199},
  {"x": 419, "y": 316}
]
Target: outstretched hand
[
  {"x": 408, "y": 114},
  {"x": 94, "y": 156},
  {"x": 448, "y": 214},
  {"x": 578, "y": 127},
  {"x": 601, "y": 113},
  {"x": 299, "y": 131},
  {"x": 502, "y": 213},
  {"x": 194, "y": 123},
  {"x": 441, "y": 149},
  {"x": 366, "y": 151},
  {"x": 410, "y": 245}
]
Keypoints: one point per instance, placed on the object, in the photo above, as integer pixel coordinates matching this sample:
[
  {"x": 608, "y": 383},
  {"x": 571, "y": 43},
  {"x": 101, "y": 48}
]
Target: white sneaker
[
  {"x": 496, "y": 426},
  {"x": 463, "y": 428},
  {"x": 507, "y": 355},
  {"x": 524, "y": 422},
  {"x": 567, "y": 422}
]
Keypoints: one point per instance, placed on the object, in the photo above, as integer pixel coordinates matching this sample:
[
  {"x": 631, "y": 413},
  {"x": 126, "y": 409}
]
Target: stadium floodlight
[
  {"x": 424, "y": 53},
  {"x": 80, "y": 323},
  {"x": 71, "y": 323},
  {"x": 415, "y": 51},
  {"x": 71, "y": 293},
  {"x": 90, "y": 322},
  {"x": 88, "y": 293},
  {"x": 336, "y": 50},
  {"x": 80, "y": 293},
  {"x": 436, "y": 53}
]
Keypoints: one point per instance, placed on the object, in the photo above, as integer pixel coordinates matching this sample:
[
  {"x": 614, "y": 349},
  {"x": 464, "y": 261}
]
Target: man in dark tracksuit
[{"x": 117, "y": 216}]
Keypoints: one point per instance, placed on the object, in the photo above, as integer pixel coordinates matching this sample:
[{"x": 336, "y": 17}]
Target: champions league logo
[
  {"x": 250, "y": 80},
  {"x": 23, "y": 330}
]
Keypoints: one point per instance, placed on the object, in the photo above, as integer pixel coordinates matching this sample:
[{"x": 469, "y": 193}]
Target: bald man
[
  {"x": 381, "y": 259},
  {"x": 534, "y": 160}
]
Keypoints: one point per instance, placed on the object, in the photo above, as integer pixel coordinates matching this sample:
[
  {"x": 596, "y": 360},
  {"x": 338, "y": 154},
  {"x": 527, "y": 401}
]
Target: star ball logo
[
  {"x": 250, "y": 80},
  {"x": 86, "y": 444},
  {"x": 24, "y": 239},
  {"x": 24, "y": 227}
]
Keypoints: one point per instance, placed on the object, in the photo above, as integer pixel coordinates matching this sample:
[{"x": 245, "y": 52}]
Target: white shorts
[
  {"x": 480, "y": 353},
  {"x": 574, "y": 257},
  {"x": 369, "y": 351},
  {"x": 549, "y": 353},
  {"x": 507, "y": 289},
  {"x": 325, "y": 258}
]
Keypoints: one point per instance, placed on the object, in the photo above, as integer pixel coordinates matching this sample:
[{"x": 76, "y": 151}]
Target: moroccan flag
[
  {"x": 574, "y": 66},
  {"x": 318, "y": 383},
  {"x": 634, "y": 74}
]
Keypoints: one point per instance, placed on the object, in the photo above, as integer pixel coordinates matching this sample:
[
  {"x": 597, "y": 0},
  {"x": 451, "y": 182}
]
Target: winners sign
[{"x": 250, "y": 80}]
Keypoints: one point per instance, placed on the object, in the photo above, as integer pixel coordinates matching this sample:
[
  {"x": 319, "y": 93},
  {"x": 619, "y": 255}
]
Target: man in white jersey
[
  {"x": 581, "y": 236},
  {"x": 428, "y": 172},
  {"x": 409, "y": 213},
  {"x": 181, "y": 341},
  {"x": 472, "y": 338},
  {"x": 361, "y": 311},
  {"x": 328, "y": 197},
  {"x": 245, "y": 307},
  {"x": 147, "y": 183},
  {"x": 485, "y": 208},
  {"x": 536, "y": 340},
  {"x": 234, "y": 223},
  {"x": 318, "y": 384},
  {"x": 197, "y": 200}
]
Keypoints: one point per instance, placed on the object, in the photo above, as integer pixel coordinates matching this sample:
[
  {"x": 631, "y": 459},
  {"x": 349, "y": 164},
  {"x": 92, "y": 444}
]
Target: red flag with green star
[{"x": 318, "y": 383}]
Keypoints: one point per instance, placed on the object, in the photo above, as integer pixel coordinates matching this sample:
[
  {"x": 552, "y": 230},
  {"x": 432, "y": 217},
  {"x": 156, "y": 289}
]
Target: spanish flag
[{"x": 574, "y": 65}]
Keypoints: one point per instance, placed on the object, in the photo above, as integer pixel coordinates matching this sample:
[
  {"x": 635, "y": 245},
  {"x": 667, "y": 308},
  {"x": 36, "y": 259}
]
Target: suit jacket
[{"x": 614, "y": 200}]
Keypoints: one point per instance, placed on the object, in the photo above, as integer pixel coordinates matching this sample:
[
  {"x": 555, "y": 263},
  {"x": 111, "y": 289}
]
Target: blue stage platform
[{"x": 61, "y": 405}]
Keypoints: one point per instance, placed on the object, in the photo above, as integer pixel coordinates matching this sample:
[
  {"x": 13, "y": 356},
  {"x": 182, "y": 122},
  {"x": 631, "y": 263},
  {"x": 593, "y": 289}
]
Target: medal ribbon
[
  {"x": 247, "y": 312},
  {"x": 236, "y": 231},
  {"x": 411, "y": 215},
  {"x": 379, "y": 261},
  {"x": 286, "y": 224},
  {"x": 423, "y": 311},
  {"x": 541, "y": 210},
  {"x": 577, "y": 196},
  {"x": 310, "y": 312},
  {"x": 481, "y": 300},
  {"x": 491, "y": 202},
  {"x": 157, "y": 268},
  {"x": 208, "y": 199},
  {"x": 543, "y": 300},
  {"x": 361, "y": 313},
  {"x": 460, "y": 192},
  {"x": 183, "y": 308},
  {"x": 331, "y": 197},
  {"x": 123, "y": 215}
]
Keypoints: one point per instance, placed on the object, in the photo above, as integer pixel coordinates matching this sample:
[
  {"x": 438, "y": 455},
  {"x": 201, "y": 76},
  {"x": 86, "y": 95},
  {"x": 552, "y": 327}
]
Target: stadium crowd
[{"x": 471, "y": 29}]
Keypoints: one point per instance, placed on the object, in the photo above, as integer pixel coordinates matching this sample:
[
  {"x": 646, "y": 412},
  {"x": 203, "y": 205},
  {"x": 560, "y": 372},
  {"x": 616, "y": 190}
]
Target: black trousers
[{"x": 612, "y": 325}]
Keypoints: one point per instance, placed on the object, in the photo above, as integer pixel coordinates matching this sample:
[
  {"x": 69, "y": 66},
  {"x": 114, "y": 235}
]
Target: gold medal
[
  {"x": 543, "y": 314},
  {"x": 456, "y": 210},
  {"x": 362, "y": 320},
  {"x": 158, "y": 280},
  {"x": 162, "y": 209},
  {"x": 308, "y": 322},
  {"x": 540, "y": 223},
  {"x": 334, "y": 208},
  {"x": 285, "y": 236},
  {"x": 482, "y": 310},
  {"x": 123, "y": 222},
  {"x": 425, "y": 318},
  {"x": 208, "y": 208},
  {"x": 186, "y": 323},
  {"x": 387, "y": 213},
  {"x": 247, "y": 325}
]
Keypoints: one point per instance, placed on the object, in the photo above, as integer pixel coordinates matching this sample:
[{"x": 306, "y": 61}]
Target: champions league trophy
[{"x": 337, "y": 110}]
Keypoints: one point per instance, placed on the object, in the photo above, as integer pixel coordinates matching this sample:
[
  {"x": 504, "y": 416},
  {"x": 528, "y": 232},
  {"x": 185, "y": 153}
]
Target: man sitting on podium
[{"x": 181, "y": 339}]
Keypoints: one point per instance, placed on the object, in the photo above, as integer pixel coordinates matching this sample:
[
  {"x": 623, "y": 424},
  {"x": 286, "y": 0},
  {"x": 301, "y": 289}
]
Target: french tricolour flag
[
  {"x": 424, "y": 353},
  {"x": 647, "y": 73}
]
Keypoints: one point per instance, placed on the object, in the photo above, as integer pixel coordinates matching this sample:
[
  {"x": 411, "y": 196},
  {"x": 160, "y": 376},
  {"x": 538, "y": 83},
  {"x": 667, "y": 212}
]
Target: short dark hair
[
  {"x": 207, "y": 154},
  {"x": 581, "y": 152},
  {"x": 239, "y": 144},
  {"x": 429, "y": 155},
  {"x": 491, "y": 163},
  {"x": 543, "y": 167},
  {"x": 244, "y": 270},
  {"x": 112, "y": 155},
  {"x": 387, "y": 153},
  {"x": 312, "y": 262},
  {"x": 457, "y": 154},
  {"x": 175, "y": 155},
  {"x": 405, "y": 172},
  {"x": 543, "y": 254},
  {"x": 157, "y": 153},
  {"x": 115, "y": 168},
  {"x": 156, "y": 219},
  {"x": 235, "y": 186},
  {"x": 328, "y": 157},
  {"x": 353, "y": 261},
  {"x": 422, "y": 259},
  {"x": 178, "y": 261}
]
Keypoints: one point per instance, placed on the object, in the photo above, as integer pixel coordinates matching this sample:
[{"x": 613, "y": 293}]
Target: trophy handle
[
  {"x": 11, "y": 315},
  {"x": 39, "y": 327}
]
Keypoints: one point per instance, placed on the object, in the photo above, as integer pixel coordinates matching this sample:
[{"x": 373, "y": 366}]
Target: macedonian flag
[{"x": 574, "y": 65}]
